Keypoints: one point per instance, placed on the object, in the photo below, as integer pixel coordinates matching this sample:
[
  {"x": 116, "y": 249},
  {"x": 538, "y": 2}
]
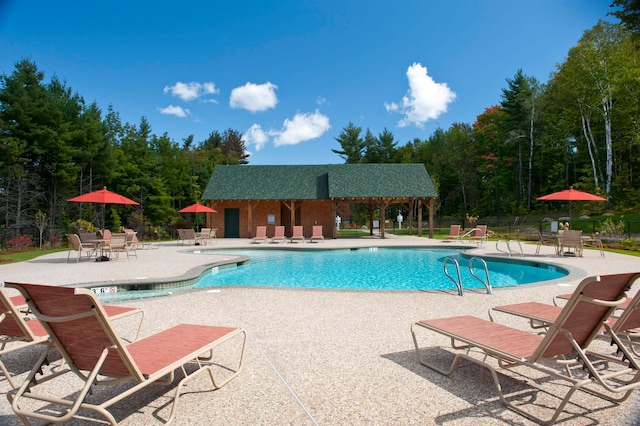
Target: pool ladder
[
  {"x": 458, "y": 283},
  {"x": 509, "y": 250}
]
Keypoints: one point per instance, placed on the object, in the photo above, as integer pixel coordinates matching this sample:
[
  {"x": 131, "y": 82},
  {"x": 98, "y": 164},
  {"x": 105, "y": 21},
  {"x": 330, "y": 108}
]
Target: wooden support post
[
  {"x": 431, "y": 200},
  {"x": 291, "y": 205},
  {"x": 371, "y": 217},
  {"x": 334, "y": 208},
  {"x": 250, "y": 218},
  {"x": 419, "y": 217},
  {"x": 383, "y": 209}
]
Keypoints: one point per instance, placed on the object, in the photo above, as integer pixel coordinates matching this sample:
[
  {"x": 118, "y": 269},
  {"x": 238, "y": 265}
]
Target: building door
[{"x": 232, "y": 223}]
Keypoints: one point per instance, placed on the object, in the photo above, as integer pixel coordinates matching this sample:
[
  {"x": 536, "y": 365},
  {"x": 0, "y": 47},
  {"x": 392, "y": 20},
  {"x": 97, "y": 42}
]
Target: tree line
[
  {"x": 55, "y": 146},
  {"x": 580, "y": 128}
]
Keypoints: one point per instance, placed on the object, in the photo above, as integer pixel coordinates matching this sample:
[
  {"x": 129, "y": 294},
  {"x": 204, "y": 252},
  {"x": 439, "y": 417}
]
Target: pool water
[{"x": 371, "y": 269}]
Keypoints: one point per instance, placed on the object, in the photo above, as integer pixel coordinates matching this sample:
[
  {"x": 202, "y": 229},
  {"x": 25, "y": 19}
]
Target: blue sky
[{"x": 290, "y": 75}]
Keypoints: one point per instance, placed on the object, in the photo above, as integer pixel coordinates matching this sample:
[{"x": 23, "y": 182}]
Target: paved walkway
[{"x": 326, "y": 357}]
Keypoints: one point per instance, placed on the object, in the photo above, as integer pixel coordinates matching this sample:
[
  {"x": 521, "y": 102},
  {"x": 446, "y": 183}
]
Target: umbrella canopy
[
  {"x": 197, "y": 208},
  {"x": 571, "y": 195},
  {"x": 102, "y": 196}
]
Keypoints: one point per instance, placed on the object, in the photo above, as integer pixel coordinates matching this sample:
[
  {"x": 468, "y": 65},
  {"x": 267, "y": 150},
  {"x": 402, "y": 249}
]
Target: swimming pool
[{"x": 371, "y": 269}]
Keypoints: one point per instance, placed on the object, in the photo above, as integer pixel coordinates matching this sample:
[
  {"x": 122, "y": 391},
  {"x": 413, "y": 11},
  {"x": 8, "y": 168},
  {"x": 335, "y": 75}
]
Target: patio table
[{"x": 100, "y": 243}]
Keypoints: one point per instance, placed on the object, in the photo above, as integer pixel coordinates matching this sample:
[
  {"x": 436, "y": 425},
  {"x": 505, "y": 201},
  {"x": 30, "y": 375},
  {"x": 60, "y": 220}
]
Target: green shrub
[
  {"x": 630, "y": 243},
  {"x": 82, "y": 225},
  {"x": 609, "y": 227}
]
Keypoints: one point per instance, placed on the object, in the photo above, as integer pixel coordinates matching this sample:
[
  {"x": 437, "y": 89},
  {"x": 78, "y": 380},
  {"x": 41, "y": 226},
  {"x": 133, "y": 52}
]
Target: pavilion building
[{"x": 249, "y": 196}]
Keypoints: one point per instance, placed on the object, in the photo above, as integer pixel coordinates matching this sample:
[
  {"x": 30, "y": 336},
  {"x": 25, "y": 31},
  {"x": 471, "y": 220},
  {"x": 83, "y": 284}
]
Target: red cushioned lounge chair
[
  {"x": 18, "y": 330},
  {"x": 579, "y": 322},
  {"x": 298, "y": 234},
  {"x": 316, "y": 233},
  {"x": 454, "y": 233},
  {"x": 279, "y": 235},
  {"x": 261, "y": 234},
  {"x": 542, "y": 315},
  {"x": 81, "y": 330}
]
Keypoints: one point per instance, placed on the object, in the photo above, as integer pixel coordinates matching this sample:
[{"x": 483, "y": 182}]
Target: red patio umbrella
[
  {"x": 571, "y": 195},
  {"x": 102, "y": 196},
  {"x": 197, "y": 208}
]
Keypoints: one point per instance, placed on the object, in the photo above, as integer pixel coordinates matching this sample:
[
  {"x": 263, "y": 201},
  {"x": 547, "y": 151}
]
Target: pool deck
[{"x": 321, "y": 357}]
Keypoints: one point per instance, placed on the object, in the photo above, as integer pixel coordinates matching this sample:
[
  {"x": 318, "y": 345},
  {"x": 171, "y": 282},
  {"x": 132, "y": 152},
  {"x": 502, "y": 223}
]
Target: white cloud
[
  {"x": 391, "y": 107},
  {"x": 255, "y": 136},
  {"x": 178, "y": 111},
  {"x": 302, "y": 127},
  {"x": 254, "y": 97},
  {"x": 425, "y": 99},
  {"x": 190, "y": 91}
]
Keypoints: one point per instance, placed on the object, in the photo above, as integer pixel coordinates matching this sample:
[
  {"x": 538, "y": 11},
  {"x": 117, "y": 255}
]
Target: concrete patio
[{"x": 322, "y": 357}]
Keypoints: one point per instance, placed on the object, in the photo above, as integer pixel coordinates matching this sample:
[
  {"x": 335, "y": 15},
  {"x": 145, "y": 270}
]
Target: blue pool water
[{"x": 371, "y": 269}]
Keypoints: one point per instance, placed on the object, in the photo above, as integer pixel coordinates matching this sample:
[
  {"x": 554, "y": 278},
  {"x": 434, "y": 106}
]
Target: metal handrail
[
  {"x": 468, "y": 234},
  {"x": 519, "y": 245},
  {"x": 500, "y": 250},
  {"x": 509, "y": 250},
  {"x": 446, "y": 272},
  {"x": 487, "y": 284}
]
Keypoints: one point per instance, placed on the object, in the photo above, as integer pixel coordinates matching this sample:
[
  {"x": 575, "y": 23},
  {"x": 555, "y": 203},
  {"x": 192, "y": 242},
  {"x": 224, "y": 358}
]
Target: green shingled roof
[{"x": 319, "y": 182}]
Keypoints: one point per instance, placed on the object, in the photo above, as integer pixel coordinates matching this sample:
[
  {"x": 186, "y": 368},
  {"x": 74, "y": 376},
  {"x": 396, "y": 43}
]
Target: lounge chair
[
  {"x": 317, "y": 233},
  {"x": 79, "y": 328},
  {"x": 190, "y": 237},
  {"x": 148, "y": 245},
  {"x": 14, "y": 329},
  {"x": 134, "y": 238},
  {"x": 261, "y": 235},
  {"x": 17, "y": 331},
  {"x": 106, "y": 234},
  {"x": 132, "y": 244},
  {"x": 547, "y": 238},
  {"x": 89, "y": 237},
  {"x": 298, "y": 234},
  {"x": 186, "y": 236},
  {"x": 80, "y": 247},
  {"x": 454, "y": 233},
  {"x": 579, "y": 322},
  {"x": 278, "y": 236},
  {"x": 142, "y": 245},
  {"x": 117, "y": 245},
  {"x": 571, "y": 239},
  {"x": 480, "y": 234},
  {"x": 594, "y": 240},
  {"x": 181, "y": 237},
  {"x": 541, "y": 316},
  {"x": 204, "y": 236}
]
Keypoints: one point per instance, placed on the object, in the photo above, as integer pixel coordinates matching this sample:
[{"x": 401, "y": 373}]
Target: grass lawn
[
  {"x": 441, "y": 233},
  {"x": 21, "y": 256}
]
